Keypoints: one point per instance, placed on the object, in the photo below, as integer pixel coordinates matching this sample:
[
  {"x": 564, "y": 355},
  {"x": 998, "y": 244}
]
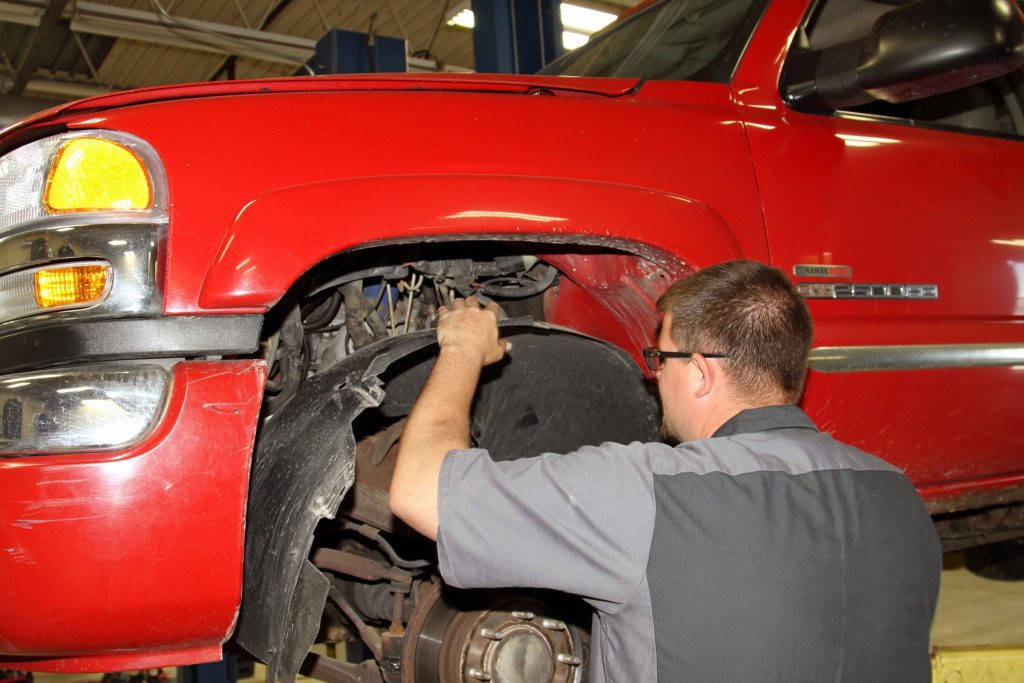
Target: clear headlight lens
[
  {"x": 80, "y": 172},
  {"x": 80, "y": 409},
  {"x": 23, "y": 176}
]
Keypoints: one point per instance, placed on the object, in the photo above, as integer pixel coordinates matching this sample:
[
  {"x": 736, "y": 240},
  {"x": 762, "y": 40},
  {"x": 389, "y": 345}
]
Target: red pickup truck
[{"x": 216, "y": 304}]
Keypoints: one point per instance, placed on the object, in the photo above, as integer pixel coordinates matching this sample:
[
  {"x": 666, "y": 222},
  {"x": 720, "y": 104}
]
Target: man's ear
[{"x": 708, "y": 376}]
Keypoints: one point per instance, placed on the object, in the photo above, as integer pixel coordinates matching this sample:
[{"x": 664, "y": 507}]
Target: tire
[{"x": 1000, "y": 561}]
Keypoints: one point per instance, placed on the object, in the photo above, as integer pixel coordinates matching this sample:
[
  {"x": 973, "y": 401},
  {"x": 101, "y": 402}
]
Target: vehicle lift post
[{"x": 516, "y": 36}]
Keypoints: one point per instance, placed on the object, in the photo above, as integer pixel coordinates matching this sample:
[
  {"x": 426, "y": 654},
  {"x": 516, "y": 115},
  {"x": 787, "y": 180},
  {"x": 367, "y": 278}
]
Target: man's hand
[{"x": 471, "y": 331}]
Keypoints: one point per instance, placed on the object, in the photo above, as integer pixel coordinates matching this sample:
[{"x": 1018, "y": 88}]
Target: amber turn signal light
[
  {"x": 72, "y": 285},
  {"x": 95, "y": 174}
]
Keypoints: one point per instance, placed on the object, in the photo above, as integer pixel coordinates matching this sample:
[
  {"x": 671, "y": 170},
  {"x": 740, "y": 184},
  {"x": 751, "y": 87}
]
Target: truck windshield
[{"x": 691, "y": 40}]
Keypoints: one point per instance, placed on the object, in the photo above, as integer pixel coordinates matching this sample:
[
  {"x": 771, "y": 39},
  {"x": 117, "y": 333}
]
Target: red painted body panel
[
  {"x": 923, "y": 422},
  {"x": 253, "y": 267},
  {"x": 611, "y": 298},
  {"x": 110, "y": 561},
  {"x": 315, "y": 161}
]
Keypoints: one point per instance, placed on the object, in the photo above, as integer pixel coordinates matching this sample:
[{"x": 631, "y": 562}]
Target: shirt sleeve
[{"x": 580, "y": 523}]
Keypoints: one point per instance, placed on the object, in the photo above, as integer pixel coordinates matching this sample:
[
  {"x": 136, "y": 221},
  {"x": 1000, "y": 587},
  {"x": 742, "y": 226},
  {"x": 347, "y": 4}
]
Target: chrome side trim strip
[{"x": 920, "y": 357}]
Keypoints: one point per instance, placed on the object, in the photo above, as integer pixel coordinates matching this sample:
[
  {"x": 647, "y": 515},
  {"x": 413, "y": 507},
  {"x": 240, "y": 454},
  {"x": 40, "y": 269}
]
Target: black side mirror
[{"x": 922, "y": 49}]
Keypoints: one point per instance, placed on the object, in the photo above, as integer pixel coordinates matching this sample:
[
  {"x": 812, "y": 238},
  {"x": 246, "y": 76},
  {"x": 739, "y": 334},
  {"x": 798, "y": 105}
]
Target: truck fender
[{"x": 280, "y": 235}]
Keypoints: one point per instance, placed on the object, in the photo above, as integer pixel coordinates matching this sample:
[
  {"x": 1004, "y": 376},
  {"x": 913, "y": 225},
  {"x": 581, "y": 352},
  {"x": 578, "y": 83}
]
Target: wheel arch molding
[{"x": 279, "y": 236}]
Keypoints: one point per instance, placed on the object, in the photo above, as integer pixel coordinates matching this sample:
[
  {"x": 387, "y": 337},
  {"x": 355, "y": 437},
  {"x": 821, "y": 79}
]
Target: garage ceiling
[{"x": 64, "y": 49}]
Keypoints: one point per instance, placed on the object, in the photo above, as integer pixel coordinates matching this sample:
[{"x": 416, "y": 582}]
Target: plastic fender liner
[
  {"x": 555, "y": 391},
  {"x": 304, "y": 465}
]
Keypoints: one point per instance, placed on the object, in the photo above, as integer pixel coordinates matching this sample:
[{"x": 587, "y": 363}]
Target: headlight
[
  {"x": 80, "y": 409},
  {"x": 82, "y": 220},
  {"x": 84, "y": 172}
]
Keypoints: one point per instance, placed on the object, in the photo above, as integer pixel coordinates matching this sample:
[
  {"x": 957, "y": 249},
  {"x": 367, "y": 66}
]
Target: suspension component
[{"x": 465, "y": 637}]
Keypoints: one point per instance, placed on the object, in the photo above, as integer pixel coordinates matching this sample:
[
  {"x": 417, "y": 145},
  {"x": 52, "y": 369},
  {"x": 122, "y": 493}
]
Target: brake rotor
[{"x": 470, "y": 636}]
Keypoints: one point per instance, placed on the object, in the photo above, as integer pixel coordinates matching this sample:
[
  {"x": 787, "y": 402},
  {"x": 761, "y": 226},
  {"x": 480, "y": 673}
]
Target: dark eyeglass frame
[{"x": 653, "y": 356}]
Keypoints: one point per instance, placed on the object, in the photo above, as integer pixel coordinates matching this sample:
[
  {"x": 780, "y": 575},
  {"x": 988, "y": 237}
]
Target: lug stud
[
  {"x": 553, "y": 624},
  {"x": 568, "y": 659},
  {"x": 525, "y": 616},
  {"x": 477, "y": 674},
  {"x": 490, "y": 634}
]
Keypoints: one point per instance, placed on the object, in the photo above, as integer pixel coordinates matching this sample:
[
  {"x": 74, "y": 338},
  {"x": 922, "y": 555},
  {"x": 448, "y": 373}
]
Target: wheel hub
[{"x": 495, "y": 637}]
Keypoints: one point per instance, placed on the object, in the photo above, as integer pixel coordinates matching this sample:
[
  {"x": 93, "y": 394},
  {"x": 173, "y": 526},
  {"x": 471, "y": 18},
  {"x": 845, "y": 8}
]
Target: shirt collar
[{"x": 765, "y": 418}]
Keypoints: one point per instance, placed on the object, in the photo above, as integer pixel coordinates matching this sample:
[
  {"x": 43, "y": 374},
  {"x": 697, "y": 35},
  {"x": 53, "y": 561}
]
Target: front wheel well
[{"x": 339, "y": 424}]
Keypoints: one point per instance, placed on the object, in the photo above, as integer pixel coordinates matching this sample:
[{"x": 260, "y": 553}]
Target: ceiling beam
[
  {"x": 228, "y": 65},
  {"x": 30, "y": 55},
  {"x": 22, "y": 13},
  {"x": 191, "y": 34},
  {"x": 150, "y": 27},
  {"x": 65, "y": 90}
]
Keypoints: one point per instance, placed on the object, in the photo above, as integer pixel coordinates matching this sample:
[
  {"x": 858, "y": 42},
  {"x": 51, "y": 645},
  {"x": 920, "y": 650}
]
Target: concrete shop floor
[{"x": 973, "y": 612}]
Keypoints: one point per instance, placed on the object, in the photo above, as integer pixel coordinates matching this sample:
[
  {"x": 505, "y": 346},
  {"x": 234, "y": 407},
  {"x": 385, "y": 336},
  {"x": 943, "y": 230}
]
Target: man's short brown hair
[{"x": 751, "y": 312}]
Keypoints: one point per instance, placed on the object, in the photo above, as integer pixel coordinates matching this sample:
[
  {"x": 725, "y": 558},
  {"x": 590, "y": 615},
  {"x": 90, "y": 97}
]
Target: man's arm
[{"x": 439, "y": 422}]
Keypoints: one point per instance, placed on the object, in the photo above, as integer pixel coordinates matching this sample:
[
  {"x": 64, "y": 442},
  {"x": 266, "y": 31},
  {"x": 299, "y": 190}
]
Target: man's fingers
[
  {"x": 471, "y": 302},
  {"x": 464, "y": 325}
]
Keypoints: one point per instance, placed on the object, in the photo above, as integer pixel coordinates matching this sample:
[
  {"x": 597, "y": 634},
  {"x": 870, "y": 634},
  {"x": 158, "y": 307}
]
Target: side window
[
  {"x": 992, "y": 107},
  {"x": 995, "y": 106}
]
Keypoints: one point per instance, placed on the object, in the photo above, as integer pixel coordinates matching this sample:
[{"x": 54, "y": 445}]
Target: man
[{"x": 759, "y": 549}]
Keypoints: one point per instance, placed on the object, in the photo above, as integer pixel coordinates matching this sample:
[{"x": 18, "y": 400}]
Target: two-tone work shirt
[{"x": 769, "y": 552}]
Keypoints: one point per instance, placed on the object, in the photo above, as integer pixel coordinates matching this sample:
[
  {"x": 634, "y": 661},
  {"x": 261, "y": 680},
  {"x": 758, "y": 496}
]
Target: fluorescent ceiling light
[
  {"x": 584, "y": 20},
  {"x": 577, "y": 21},
  {"x": 463, "y": 19},
  {"x": 572, "y": 40}
]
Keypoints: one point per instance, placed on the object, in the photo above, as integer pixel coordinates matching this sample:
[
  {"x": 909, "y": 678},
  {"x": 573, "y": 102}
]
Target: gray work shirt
[{"x": 769, "y": 552}]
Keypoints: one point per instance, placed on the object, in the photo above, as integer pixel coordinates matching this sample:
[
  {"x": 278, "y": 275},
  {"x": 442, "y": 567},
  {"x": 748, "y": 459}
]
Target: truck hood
[{"x": 492, "y": 83}]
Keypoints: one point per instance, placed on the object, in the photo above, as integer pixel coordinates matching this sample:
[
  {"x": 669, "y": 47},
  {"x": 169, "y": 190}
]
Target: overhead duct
[{"x": 151, "y": 27}]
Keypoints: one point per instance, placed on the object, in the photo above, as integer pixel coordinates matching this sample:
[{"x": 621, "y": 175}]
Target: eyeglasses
[{"x": 653, "y": 356}]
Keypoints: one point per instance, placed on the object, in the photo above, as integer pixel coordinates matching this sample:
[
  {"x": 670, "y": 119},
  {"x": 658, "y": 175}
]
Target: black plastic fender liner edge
[{"x": 303, "y": 467}]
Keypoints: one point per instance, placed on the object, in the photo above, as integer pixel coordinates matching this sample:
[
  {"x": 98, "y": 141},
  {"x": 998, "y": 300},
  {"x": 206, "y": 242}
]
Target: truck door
[{"x": 904, "y": 227}]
